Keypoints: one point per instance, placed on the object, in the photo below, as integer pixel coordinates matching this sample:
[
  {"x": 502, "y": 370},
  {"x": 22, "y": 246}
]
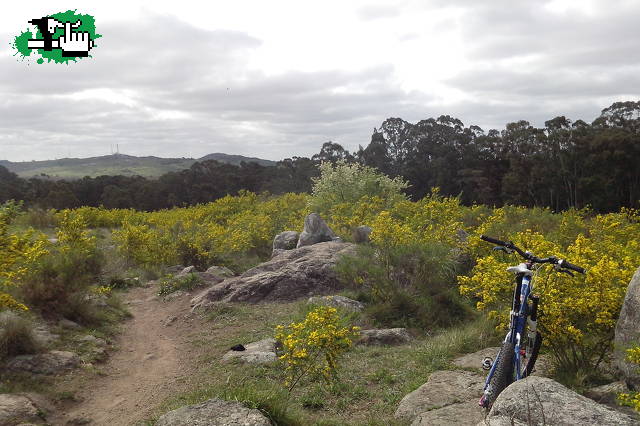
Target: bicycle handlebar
[{"x": 530, "y": 257}]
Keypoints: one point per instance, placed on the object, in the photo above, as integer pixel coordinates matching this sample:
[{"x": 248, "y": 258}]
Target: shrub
[
  {"x": 632, "y": 399},
  {"x": 16, "y": 335},
  {"x": 348, "y": 183},
  {"x": 170, "y": 284},
  {"x": 312, "y": 347}
]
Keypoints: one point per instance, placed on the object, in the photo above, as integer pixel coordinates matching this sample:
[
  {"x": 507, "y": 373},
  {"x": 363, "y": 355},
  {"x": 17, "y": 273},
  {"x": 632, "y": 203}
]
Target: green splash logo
[{"x": 59, "y": 38}]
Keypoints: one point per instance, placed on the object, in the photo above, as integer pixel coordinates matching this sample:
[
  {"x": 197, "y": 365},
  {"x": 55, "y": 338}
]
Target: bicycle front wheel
[{"x": 502, "y": 375}]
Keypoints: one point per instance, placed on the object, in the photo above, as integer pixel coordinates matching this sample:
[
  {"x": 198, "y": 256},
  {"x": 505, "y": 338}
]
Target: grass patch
[
  {"x": 171, "y": 284},
  {"x": 16, "y": 335}
]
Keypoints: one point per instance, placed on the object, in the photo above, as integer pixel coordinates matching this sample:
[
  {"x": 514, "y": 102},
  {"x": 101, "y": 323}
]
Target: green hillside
[{"x": 116, "y": 164}]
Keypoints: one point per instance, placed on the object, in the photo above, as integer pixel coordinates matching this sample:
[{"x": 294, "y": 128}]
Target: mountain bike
[{"x": 520, "y": 348}]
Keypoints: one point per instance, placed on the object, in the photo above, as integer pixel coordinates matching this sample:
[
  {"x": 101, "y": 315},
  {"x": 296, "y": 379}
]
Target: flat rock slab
[
  {"x": 442, "y": 389},
  {"x": 47, "y": 363},
  {"x": 384, "y": 336},
  {"x": 17, "y": 408},
  {"x": 260, "y": 352},
  {"x": 540, "y": 400},
  {"x": 337, "y": 302},
  {"x": 474, "y": 360},
  {"x": 214, "y": 412},
  {"x": 302, "y": 272},
  {"x": 462, "y": 414}
]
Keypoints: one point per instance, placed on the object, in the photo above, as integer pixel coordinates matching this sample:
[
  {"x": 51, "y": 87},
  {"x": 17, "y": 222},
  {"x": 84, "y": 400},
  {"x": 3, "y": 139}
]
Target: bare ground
[{"x": 151, "y": 363}]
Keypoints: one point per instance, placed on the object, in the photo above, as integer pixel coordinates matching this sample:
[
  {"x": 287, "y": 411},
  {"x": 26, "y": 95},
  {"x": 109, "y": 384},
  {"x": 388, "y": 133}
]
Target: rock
[
  {"x": 384, "y": 336},
  {"x": 297, "y": 273},
  {"x": 627, "y": 333},
  {"x": 286, "y": 240},
  {"x": 606, "y": 394},
  {"x": 315, "y": 231},
  {"x": 337, "y": 302},
  {"x": 260, "y": 352},
  {"x": 221, "y": 271},
  {"x": 361, "y": 234},
  {"x": 501, "y": 421},
  {"x": 44, "y": 336},
  {"x": 170, "y": 320},
  {"x": 17, "y": 408},
  {"x": 174, "y": 269},
  {"x": 540, "y": 400},
  {"x": 442, "y": 389},
  {"x": 47, "y": 363},
  {"x": 186, "y": 271},
  {"x": 175, "y": 295},
  {"x": 68, "y": 324},
  {"x": 474, "y": 360},
  {"x": 90, "y": 338},
  {"x": 461, "y": 414},
  {"x": 214, "y": 412},
  {"x": 53, "y": 240}
]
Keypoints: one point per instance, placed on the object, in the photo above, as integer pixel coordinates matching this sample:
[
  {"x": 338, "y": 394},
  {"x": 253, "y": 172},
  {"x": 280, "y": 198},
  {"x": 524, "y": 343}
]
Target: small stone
[
  {"x": 170, "y": 320},
  {"x": 337, "y": 302},
  {"x": 384, "y": 336},
  {"x": 47, "y": 363},
  {"x": 214, "y": 412},
  {"x": 186, "y": 271},
  {"x": 260, "y": 352},
  {"x": 68, "y": 324},
  {"x": 361, "y": 234}
]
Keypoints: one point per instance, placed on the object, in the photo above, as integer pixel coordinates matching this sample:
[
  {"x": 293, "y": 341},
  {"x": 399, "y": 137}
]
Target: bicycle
[{"x": 518, "y": 355}]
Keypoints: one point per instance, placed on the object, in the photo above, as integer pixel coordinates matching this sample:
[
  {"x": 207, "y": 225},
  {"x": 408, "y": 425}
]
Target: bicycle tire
[
  {"x": 502, "y": 375},
  {"x": 534, "y": 354}
]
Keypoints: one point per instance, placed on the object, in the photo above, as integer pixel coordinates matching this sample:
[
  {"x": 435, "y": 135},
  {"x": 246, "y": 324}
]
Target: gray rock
[
  {"x": 221, "y": 271},
  {"x": 337, "y": 302},
  {"x": 90, "y": 338},
  {"x": 186, "y": 271},
  {"x": 442, "y": 389},
  {"x": 44, "y": 336},
  {"x": 474, "y": 360},
  {"x": 384, "y": 336},
  {"x": 286, "y": 240},
  {"x": 627, "y": 333},
  {"x": 361, "y": 234},
  {"x": 315, "y": 231},
  {"x": 260, "y": 352},
  {"x": 297, "y": 273},
  {"x": 606, "y": 393},
  {"x": 461, "y": 414},
  {"x": 47, "y": 363},
  {"x": 214, "y": 412},
  {"x": 174, "y": 269},
  {"x": 501, "y": 421},
  {"x": 540, "y": 400},
  {"x": 68, "y": 324},
  {"x": 17, "y": 408}
]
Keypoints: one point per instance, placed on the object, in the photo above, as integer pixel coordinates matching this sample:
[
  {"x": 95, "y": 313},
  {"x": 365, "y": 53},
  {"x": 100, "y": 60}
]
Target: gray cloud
[{"x": 164, "y": 87}]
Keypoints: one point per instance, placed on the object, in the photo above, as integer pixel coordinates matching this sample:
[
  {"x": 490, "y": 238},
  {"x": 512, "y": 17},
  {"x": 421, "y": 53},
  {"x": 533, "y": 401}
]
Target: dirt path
[{"x": 151, "y": 358}]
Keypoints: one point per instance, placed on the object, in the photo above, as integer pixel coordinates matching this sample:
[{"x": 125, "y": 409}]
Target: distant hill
[{"x": 117, "y": 164}]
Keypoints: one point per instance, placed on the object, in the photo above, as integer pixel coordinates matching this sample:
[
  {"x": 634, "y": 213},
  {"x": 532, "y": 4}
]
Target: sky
[{"x": 276, "y": 79}]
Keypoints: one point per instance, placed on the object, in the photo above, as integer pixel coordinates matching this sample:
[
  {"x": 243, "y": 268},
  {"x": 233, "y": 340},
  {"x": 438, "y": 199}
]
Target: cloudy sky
[{"x": 278, "y": 78}]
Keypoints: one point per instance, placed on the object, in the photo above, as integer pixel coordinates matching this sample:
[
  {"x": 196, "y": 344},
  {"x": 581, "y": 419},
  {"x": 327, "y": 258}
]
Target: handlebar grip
[
  {"x": 567, "y": 265},
  {"x": 493, "y": 240}
]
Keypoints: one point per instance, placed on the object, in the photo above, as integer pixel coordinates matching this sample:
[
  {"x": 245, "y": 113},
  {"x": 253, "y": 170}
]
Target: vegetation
[
  {"x": 632, "y": 399},
  {"x": 562, "y": 165},
  {"x": 312, "y": 347}
]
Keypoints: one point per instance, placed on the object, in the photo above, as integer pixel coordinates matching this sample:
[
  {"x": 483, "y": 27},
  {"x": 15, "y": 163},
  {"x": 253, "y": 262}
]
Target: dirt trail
[{"x": 146, "y": 369}]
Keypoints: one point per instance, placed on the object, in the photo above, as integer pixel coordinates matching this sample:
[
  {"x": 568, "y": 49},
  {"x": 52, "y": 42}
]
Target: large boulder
[
  {"x": 337, "y": 302},
  {"x": 361, "y": 234},
  {"x": 286, "y": 240},
  {"x": 302, "y": 272},
  {"x": 315, "y": 231},
  {"x": 260, "y": 352},
  {"x": 214, "y": 412},
  {"x": 466, "y": 413},
  {"x": 443, "y": 388},
  {"x": 627, "y": 333},
  {"x": 384, "y": 336},
  {"x": 543, "y": 401},
  {"x": 474, "y": 360},
  {"x": 15, "y": 409},
  {"x": 52, "y": 362}
]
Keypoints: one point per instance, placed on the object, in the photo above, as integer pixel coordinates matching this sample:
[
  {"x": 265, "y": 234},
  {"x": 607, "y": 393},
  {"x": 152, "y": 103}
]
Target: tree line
[{"x": 563, "y": 165}]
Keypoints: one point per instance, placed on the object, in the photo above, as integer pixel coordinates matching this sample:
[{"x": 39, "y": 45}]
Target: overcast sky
[{"x": 277, "y": 78}]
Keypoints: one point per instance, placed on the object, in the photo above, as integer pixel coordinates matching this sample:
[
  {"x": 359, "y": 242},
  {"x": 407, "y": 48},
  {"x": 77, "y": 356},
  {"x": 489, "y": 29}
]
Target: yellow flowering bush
[
  {"x": 577, "y": 314},
  {"x": 19, "y": 251},
  {"x": 312, "y": 347},
  {"x": 632, "y": 399}
]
